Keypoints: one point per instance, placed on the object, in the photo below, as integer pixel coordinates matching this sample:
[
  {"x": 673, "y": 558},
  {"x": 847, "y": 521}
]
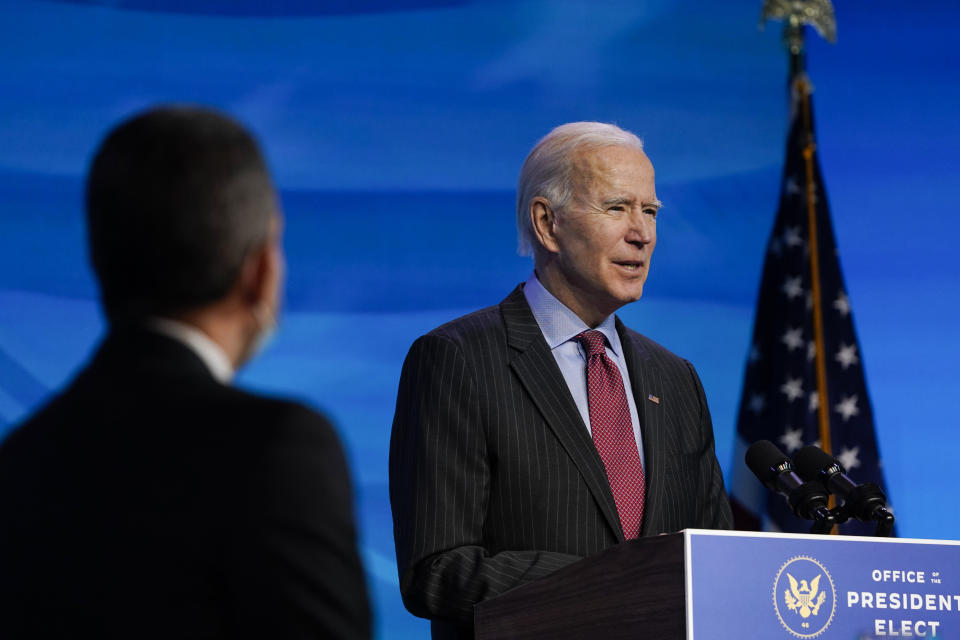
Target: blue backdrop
[{"x": 396, "y": 130}]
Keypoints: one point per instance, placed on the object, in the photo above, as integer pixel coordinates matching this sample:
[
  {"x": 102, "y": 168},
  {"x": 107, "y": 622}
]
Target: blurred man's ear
[
  {"x": 544, "y": 222},
  {"x": 257, "y": 293},
  {"x": 261, "y": 275}
]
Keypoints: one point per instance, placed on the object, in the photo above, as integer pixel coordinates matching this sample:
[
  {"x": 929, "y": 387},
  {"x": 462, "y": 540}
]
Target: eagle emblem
[
  {"x": 802, "y": 598},
  {"x": 804, "y": 607}
]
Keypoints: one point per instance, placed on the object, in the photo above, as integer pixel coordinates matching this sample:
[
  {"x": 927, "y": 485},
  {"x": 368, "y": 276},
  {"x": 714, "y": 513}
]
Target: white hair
[{"x": 548, "y": 170}]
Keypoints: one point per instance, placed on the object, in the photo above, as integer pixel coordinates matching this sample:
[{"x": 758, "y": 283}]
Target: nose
[{"x": 643, "y": 228}]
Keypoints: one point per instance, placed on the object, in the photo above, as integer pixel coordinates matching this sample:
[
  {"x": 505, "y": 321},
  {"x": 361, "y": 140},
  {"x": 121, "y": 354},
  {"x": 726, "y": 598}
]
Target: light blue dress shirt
[{"x": 559, "y": 326}]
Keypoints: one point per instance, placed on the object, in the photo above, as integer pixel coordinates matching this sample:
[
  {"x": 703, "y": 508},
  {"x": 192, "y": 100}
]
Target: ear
[
  {"x": 260, "y": 276},
  {"x": 543, "y": 219}
]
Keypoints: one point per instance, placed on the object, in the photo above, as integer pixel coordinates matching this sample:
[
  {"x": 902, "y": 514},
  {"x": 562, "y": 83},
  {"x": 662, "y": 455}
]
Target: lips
[{"x": 629, "y": 265}]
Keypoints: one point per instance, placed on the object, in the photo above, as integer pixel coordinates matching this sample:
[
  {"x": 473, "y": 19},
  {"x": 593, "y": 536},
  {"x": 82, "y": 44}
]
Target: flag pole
[
  {"x": 816, "y": 291},
  {"x": 796, "y": 15}
]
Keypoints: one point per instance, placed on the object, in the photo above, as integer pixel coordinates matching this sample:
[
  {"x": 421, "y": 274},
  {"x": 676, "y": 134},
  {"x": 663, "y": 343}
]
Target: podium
[{"x": 728, "y": 585}]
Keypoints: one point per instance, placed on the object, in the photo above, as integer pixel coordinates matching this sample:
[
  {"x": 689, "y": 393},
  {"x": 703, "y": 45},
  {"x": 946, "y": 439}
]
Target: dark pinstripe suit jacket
[{"x": 494, "y": 480}]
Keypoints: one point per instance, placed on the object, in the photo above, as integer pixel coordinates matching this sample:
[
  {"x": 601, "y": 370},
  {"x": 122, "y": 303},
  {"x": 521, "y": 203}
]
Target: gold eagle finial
[{"x": 797, "y": 13}]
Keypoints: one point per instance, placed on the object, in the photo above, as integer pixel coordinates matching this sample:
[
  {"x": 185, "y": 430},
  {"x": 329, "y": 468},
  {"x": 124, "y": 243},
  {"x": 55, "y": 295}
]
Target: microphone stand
[
  {"x": 808, "y": 501},
  {"x": 865, "y": 503},
  {"x": 823, "y": 522}
]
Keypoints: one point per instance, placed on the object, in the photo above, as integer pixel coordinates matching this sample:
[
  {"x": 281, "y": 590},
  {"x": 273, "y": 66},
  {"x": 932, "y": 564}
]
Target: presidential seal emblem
[{"x": 804, "y": 597}]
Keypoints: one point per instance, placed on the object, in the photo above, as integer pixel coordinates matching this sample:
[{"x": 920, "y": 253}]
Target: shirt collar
[
  {"x": 212, "y": 355},
  {"x": 558, "y": 323}
]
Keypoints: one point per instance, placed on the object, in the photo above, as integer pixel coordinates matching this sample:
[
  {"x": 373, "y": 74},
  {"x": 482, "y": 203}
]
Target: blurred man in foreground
[
  {"x": 540, "y": 431},
  {"x": 151, "y": 499}
]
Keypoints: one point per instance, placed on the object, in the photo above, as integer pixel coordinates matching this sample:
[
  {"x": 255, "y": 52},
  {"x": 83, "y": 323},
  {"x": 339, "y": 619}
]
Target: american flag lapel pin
[{"x": 654, "y": 399}]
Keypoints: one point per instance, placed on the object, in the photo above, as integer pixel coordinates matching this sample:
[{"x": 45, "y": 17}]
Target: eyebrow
[
  {"x": 619, "y": 200},
  {"x": 630, "y": 201}
]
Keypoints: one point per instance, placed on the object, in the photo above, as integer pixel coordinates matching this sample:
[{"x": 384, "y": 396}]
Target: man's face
[{"x": 606, "y": 234}]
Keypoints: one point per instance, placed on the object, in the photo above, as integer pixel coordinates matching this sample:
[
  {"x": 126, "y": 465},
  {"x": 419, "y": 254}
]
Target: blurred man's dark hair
[{"x": 176, "y": 198}]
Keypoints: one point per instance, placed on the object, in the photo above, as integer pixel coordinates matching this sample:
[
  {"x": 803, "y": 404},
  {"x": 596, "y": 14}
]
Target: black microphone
[
  {"x": 808, "y": 500},
  {"x": 865, "y": 502}
]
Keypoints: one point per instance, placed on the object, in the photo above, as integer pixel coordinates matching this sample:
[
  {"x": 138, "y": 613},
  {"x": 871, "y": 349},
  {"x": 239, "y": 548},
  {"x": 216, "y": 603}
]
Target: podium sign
[
  {"x": 730, "y": 585},
  {"x": 765, "y": 585}
]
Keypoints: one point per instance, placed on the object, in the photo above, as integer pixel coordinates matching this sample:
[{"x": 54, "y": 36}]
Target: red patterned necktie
[{"x": 612, "y": 432}]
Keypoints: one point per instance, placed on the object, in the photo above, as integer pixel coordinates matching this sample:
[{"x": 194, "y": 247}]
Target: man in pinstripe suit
[{"x": 495, "y": 479}]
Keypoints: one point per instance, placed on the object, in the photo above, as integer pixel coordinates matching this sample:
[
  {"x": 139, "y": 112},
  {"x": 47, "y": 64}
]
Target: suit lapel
[
  {"x": 646, "y": 382},
  {"x": 538, "y": 372}
]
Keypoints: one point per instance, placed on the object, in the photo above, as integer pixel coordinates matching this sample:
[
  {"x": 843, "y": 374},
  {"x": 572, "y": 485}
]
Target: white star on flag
[
  {"x": 792, "y": 388},
  {"x": 792, "y": 237},
  {"x": 811, "y": 351},
  {"x": 792, "y": 439},
  {"x": 757, "y": 403},
  {"x": 847, "y": 355},
  {"x": 814, "y": 401},
  {"x": 792, "y": 287},
  {"x": 842, "y": 304},
  {"x": 792, "y": 187},
  {"x": 847, "y": 407},
  {"x": 849, "y": 458},
  {"x": 793, "y": 338}
]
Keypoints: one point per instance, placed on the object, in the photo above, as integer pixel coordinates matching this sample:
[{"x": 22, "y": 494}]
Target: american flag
[{"x": 780, "y": 400}]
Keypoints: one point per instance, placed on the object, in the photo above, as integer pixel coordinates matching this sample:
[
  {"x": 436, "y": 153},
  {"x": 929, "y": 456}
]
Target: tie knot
[{"x": 593, "y": 342}]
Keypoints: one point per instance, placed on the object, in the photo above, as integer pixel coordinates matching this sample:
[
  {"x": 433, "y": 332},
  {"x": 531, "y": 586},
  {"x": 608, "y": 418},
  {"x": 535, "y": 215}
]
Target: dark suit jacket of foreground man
[
  {"x": 494, "y": 479},
  {"x": 150, "y": 501}
]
